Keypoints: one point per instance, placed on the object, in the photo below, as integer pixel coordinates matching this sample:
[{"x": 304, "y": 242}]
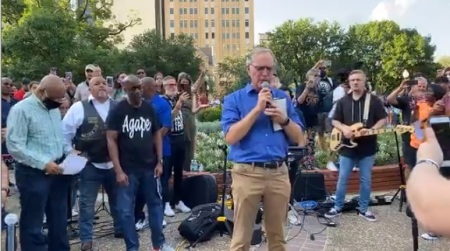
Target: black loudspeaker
[
  {"x": 310, "y": 186},
  {"x": 199, "y": 189}
]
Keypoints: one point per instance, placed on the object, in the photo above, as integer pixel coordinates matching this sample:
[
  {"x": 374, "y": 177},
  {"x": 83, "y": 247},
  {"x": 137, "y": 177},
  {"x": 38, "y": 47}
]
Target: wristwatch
[
  {"x": 161, "y": 161},
  {"x": 286, "y": 122}
]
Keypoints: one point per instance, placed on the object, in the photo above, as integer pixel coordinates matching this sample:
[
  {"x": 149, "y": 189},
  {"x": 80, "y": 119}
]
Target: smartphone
[
  {"x": 68, "y": 75},
  {"x": 110, "y": 81},
  {"x": 411, "y": 82},
  {"x": 53, "y": 71},
  {"x": 441, "y": 127}
]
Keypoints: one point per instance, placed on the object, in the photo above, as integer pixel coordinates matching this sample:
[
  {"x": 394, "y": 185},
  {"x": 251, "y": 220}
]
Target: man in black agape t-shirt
[
  {"x": 349, "y": 111},
  {"x": 133, "y": 138}
]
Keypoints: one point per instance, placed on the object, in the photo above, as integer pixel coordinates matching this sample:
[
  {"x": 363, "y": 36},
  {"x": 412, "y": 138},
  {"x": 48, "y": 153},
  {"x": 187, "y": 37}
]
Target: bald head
[
  {"x": 147, "y": 81},
  {"x": 52, "y": 86},
  {"x": 132, "y": 79},
  {"x": 149, "y": 87}
]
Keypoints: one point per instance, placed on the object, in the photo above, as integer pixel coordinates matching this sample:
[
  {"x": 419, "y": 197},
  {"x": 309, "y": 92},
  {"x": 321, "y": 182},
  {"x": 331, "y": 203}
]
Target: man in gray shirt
[{"x": 82, "y": 93}]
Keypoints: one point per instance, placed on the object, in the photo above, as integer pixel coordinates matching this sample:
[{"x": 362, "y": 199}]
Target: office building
[{"x": 226, "y": 26}]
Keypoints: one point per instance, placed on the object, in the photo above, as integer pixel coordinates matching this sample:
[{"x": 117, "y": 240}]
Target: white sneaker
[
  {"x": 45, "y": 219},
  {"x": 430, "y": 236},
  {"x": 141, "y": 224},
  {"x": 182, "y": 207},
  {"x": 164, "y": 223},
  {"x": 168, "y": 210},
  {"x": 293, "y": 218},
  {"x": 355, "y": 169},
  {"x": 74, "y": 212},
  {"x": 332, "y": 167}
]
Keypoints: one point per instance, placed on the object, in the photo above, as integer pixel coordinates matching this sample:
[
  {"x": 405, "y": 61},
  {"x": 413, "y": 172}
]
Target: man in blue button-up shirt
[{"x": 258, "y": 150}]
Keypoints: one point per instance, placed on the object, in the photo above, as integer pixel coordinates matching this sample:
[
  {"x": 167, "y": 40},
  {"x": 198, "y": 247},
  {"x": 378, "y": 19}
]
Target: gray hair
[
  {"x": 167, "y": 78},
  {"x": 256, "y": 51},
  {"x": 422, "y": 79}
]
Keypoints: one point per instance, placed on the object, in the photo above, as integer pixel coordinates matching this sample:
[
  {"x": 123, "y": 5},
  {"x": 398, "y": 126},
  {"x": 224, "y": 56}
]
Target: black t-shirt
[
  {"x": 406, "y": 105},
  {"x": 310, "y": 107},
  {"x": 136, "y": 127},
  {"x": 349, "y": 112},
  {"x": 177, "y": 121}
]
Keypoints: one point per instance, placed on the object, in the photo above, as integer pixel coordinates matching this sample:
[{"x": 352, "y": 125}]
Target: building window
[
  {"x": 206, "y": 35},
  {"x": 191, "y": 23},
  {"x": 225, "y": 11},
  {"x": 206, "y": 23},
  {"x": 171, "y": 10},
  {"x": 227, "y": 23},
  {"x": 172, "y": 35},
  {"x": 247, "y": 34},
  {"x": 196, "y": 23},
  {"x": 185, "y": 24},
  {"x": 247, "y": 23},
  {"x": 172, "y": 23},
  {"x": 223, "y": 23},
  {"x": 213, "y": 23},
  {"x": 247, "y": 10},
  {"x": 206, "y": 10},
  {"x": 235, "y": 11},
  {"x": 181, "y": 24},
  {"x": 213, "y": 35},
  {"x": 223, "y": 35},
  {"x": 212, "y": 11},
  {"x": 191, "y": 11},
  {"x": 181, "y": 11},
  {"x": 185, "y": 11}
]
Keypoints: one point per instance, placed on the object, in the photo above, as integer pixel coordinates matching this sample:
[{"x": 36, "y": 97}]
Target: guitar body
[{"x": 337, "y": 139}]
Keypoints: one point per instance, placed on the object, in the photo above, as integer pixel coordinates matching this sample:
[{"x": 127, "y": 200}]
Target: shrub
[
  {"x": 208, "y": 153},
  {"x": 209, "y": 127},
  {"x": 210, "y": 114}
]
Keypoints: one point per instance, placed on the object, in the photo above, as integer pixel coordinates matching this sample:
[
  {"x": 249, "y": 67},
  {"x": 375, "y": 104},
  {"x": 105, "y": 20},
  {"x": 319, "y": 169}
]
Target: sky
[{"x": 429, "y": 17}]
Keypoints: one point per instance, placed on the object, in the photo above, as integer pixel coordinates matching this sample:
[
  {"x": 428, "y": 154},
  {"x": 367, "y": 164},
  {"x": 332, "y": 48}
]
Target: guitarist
[{"x": 357, "y": 107}]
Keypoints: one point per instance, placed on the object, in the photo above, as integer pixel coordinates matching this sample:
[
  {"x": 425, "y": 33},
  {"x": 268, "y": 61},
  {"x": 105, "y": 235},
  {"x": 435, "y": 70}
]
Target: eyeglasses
[{"x": 262, "y": 68}]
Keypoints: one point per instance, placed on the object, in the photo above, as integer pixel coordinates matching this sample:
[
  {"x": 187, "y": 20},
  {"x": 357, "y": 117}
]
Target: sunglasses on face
[{"x": 262, "y": 68}]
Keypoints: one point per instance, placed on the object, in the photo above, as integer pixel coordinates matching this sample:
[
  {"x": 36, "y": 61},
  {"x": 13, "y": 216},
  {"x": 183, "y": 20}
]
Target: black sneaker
[
  {"x": 368, "y": 216},
  {"x": 333, "y": 213}
]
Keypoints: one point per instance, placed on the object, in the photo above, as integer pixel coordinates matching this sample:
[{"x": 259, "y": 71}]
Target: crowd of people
[{"x": 117, "y": 128}]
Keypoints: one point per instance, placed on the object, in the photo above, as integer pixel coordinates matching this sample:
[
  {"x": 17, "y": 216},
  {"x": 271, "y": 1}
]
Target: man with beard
[
  {"x": 82, "y": 91},
  {"x": 133, "y": 139},
  {"x": 35, "y": 140},
  {"x": 85, "y": 124}
]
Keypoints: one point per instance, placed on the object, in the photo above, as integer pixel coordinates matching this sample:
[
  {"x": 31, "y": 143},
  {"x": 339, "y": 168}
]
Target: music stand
[{"x": 401, "y": 190}]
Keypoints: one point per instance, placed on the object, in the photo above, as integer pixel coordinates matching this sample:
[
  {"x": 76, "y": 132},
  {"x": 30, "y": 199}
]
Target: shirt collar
[{"x": 91, "y": 98}]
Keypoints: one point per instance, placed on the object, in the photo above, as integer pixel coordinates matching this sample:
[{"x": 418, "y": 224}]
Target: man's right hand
[
  {"x": 53, "y": 168},
  {"x": 183, "y": 97},
  {"x": 347, "y": 131},
  {"x": 264, "y": 97},
  {"x": 122, "y": 179},
  {"x": 404, "y": 84}
]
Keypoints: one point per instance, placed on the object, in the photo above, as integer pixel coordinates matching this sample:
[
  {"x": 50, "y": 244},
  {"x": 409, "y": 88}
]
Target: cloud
[{"x": 388, "y": 10}]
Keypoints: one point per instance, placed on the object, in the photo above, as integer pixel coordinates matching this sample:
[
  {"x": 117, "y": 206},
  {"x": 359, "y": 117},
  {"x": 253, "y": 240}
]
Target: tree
[
  {"x": 232, "y": 73},
  {"x": 39, "y": 34},
  {"x": 154, "y": 53},
  {"x": 444, "y": 61},
  {"x": 298, "y": 45}
]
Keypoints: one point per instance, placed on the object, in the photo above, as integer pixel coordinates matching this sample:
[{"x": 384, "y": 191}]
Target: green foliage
[
  {"x": 210, "y": 114},
  {"x": 40, "y": 34},
  {"x": 298, "y": 45},
  {"x": 208, "y": 152},
  {"x": 208, "y": 127},
  {"x": 232, "y": 73}
]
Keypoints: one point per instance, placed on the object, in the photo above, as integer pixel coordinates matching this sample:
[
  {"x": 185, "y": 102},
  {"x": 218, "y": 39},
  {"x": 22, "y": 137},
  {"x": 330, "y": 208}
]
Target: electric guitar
[{"x": 337, "y": 139}]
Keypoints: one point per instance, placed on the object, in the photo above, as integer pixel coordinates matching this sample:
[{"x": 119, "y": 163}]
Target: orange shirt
[{"x": 422, "y": 113}]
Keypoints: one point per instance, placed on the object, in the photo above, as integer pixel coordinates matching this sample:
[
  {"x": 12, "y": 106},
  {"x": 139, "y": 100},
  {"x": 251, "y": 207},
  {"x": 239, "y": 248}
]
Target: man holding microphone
[{"x": 259, "y": 131}]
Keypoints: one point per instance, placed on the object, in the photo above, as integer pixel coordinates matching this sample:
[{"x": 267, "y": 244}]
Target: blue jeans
[
  {"x": 145, "y": 180},
  {"x": 346, "y": 165},
  {"x": 91, "y": 178},
  {"x": 39, "y": 194}
]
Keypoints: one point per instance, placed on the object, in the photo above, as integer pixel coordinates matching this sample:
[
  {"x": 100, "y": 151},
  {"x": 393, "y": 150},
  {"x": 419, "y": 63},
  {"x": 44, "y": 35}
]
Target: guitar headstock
[{"x": 404, "y": 129}]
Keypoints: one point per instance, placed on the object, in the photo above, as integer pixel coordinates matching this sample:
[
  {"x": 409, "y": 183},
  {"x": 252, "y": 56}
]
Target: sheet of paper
[
  {"x": 282, "y": 105},
  {"x": 73, "y": 164}
]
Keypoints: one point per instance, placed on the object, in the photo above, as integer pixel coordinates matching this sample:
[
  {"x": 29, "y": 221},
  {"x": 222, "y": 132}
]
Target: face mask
[
  {"x": 51, "y": 104},
  {"x": 323, "y": 73}
]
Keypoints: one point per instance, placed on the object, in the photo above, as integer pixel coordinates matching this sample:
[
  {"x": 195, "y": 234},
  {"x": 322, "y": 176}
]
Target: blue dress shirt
[
  {"x": 164, "y": 112},
  {"x": 261, "y": 143}
]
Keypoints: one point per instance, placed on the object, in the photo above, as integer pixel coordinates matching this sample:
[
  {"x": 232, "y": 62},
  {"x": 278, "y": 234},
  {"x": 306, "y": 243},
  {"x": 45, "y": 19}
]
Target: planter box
[{"x": 384, "y": 178}]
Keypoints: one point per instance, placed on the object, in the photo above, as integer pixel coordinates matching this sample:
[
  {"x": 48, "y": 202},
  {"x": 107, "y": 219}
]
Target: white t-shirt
[{"x": 338, "y": 93}]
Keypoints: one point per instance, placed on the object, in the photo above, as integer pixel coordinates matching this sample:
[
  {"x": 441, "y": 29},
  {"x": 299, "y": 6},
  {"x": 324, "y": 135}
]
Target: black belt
[{"x": 268, "y": 164}]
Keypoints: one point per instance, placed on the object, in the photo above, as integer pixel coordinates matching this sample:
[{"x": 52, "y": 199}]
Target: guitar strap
[{"x": 366, "y": 109}]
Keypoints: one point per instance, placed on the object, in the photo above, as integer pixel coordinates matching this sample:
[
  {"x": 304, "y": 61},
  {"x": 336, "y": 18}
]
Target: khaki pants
[{"x": 250, "y": 184}]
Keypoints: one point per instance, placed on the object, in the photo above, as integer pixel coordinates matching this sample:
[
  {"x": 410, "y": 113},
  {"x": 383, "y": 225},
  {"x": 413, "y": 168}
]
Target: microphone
[{"x": 266, "y": 84}]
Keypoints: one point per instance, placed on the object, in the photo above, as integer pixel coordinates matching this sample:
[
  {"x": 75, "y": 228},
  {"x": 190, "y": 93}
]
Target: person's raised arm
[{"x": 393, "y": 97}]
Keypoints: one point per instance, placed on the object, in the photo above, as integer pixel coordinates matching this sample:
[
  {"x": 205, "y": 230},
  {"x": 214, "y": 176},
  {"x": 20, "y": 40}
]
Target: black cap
[{"x": 25, "y": 81}]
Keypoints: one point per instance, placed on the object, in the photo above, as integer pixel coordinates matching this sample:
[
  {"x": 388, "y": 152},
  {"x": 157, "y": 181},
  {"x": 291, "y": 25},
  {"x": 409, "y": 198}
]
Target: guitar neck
[{"x": 373, "y": 132}]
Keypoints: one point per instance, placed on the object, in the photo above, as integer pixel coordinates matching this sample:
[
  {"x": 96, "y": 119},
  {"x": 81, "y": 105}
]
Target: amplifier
[{"x": 310, "y": 186}]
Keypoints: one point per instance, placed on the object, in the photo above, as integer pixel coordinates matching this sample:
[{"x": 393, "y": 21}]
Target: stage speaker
[
  {"x": 310, "y": 186},
  {"x": 199, "y": 189}
]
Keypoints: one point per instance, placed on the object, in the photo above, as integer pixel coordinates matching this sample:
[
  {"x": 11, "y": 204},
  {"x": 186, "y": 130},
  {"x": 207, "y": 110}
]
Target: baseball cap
[{"x": 89, "y": 67}]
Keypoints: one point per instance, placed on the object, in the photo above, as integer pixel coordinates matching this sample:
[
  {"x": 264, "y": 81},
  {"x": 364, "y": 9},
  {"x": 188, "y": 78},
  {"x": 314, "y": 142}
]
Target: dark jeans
[
  {"x": 293, "y": 174},
  {"x": 126, "y": 195},
  {"x": 74, "y": 190},
  {"x": 39, "y": 194},
  {"x": 91, "y": 178},
  {"x": 176, "y": 165}
]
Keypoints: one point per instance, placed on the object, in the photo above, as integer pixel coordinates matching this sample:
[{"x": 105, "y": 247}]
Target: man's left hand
[
  {"x": 158, "y": 170},
  {"x": 276, "y": 114}
]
